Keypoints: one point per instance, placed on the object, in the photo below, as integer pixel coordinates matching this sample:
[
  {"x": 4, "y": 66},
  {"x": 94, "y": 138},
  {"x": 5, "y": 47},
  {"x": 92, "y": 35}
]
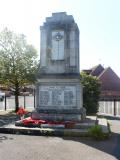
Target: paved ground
[{"x": 21, "y": 147}]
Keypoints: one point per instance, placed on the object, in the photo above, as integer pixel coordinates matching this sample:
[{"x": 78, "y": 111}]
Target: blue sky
[{"x": 98, "y": 21}]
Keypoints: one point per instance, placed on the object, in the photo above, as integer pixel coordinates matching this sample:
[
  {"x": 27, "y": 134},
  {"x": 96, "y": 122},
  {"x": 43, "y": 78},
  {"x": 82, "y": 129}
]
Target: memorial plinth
[{"x": 59, "y": 91}]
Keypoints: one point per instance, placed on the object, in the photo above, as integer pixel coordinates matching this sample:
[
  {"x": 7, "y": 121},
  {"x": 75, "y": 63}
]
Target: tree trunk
[{"x": 16, "y": 97}]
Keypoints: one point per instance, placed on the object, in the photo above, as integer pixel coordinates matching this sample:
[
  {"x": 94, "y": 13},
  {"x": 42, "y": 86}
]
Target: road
[
  {"x": 21, "y": 147},
  {"x": 115, "y": 126}
]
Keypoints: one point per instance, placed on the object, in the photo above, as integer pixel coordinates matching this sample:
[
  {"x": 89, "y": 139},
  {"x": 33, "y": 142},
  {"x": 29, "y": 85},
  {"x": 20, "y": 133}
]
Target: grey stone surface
[{"x": 58, "y": 84}]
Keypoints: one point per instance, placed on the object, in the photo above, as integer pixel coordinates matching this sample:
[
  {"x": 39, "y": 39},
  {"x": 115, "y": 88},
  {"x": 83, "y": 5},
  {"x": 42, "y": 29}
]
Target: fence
[
  {"x": 27, "y": 102},
  {"x": 110, "y": 107}
]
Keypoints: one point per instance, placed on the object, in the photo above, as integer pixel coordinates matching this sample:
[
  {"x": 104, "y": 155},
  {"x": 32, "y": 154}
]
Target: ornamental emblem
[{"x": 57, "y": 36}]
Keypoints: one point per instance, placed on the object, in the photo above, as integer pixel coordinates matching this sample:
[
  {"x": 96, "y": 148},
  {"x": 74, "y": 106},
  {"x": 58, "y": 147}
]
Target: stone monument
[{"x": 58, "y": 91}]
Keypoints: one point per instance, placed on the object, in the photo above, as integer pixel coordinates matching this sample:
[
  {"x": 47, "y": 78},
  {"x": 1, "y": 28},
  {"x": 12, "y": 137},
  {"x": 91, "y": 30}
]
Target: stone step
[
  {"x": 80, "y": 129},
  {"x": 72, "y": 126},
  {"x": 76, "y": 132},
  {"x": 83, "y": 125}
]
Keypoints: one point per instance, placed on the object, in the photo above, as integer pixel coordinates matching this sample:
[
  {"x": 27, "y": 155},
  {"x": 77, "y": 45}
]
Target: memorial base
[{"x": 60, "y": 99}]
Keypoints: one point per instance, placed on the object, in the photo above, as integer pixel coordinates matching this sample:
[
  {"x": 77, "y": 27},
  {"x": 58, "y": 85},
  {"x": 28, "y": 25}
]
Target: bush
[{"x": 91, "y": 93}]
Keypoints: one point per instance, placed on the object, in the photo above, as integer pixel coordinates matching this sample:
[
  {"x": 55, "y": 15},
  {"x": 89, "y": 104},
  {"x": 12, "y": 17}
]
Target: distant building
[{"x": 110, "y": 82}]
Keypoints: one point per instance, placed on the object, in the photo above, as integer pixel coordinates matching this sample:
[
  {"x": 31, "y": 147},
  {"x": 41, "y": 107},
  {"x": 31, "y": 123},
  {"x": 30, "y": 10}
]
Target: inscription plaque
[{"x": 57, "y": 95}]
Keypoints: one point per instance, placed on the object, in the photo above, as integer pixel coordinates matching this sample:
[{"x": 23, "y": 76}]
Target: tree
[
  {"x": 91, "y": 92},
  {"x": 18, "y": 61}
]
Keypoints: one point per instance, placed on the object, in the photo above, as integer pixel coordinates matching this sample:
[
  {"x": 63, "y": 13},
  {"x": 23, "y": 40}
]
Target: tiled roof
[
  {"x": 96, "y": 71},
  {"x": 109, "y": 79}
]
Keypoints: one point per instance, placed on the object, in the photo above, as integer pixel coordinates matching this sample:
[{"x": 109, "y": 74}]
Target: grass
[{"x": 96, "y": 133}]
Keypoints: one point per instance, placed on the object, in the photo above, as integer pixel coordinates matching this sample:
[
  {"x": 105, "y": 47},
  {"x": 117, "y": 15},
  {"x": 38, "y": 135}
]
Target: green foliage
[
  {"x": 18, "y": 61},
  {"x": 91, "y": 93},
  {"x": 96, "y": 133}
]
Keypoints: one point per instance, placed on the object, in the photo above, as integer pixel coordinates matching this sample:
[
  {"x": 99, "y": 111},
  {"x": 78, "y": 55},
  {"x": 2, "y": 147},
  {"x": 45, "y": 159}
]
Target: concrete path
[{"x": 17, "y": 147}]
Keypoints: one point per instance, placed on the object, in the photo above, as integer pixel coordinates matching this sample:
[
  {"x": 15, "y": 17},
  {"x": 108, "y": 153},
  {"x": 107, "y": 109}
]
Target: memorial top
[
  {"x": 60, "y": 17},
  {"x": 59, "y": 52}
]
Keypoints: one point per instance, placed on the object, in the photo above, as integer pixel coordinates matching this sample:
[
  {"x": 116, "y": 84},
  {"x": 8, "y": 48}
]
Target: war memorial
[{"x": 59, "y": 91}]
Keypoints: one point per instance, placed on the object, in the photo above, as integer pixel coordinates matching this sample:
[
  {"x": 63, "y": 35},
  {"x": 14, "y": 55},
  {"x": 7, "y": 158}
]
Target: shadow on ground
[
  {"x": 109, "y": 117},
  {"x": 3, "y": 138},
  {"x": 110, "y": 146}
]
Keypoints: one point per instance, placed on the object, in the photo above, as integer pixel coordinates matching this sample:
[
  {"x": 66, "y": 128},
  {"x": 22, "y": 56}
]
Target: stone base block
[{"x": 60, "y": 115}]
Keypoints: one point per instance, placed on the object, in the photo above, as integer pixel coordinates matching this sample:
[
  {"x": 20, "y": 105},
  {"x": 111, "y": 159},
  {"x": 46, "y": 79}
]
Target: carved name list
[{"x": 57, "y": 95}]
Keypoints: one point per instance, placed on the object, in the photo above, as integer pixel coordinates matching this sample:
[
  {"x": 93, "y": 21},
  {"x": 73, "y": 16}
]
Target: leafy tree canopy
[
  {"x": 91, "y": 92},
  {"x": 18, "y": 60}
]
